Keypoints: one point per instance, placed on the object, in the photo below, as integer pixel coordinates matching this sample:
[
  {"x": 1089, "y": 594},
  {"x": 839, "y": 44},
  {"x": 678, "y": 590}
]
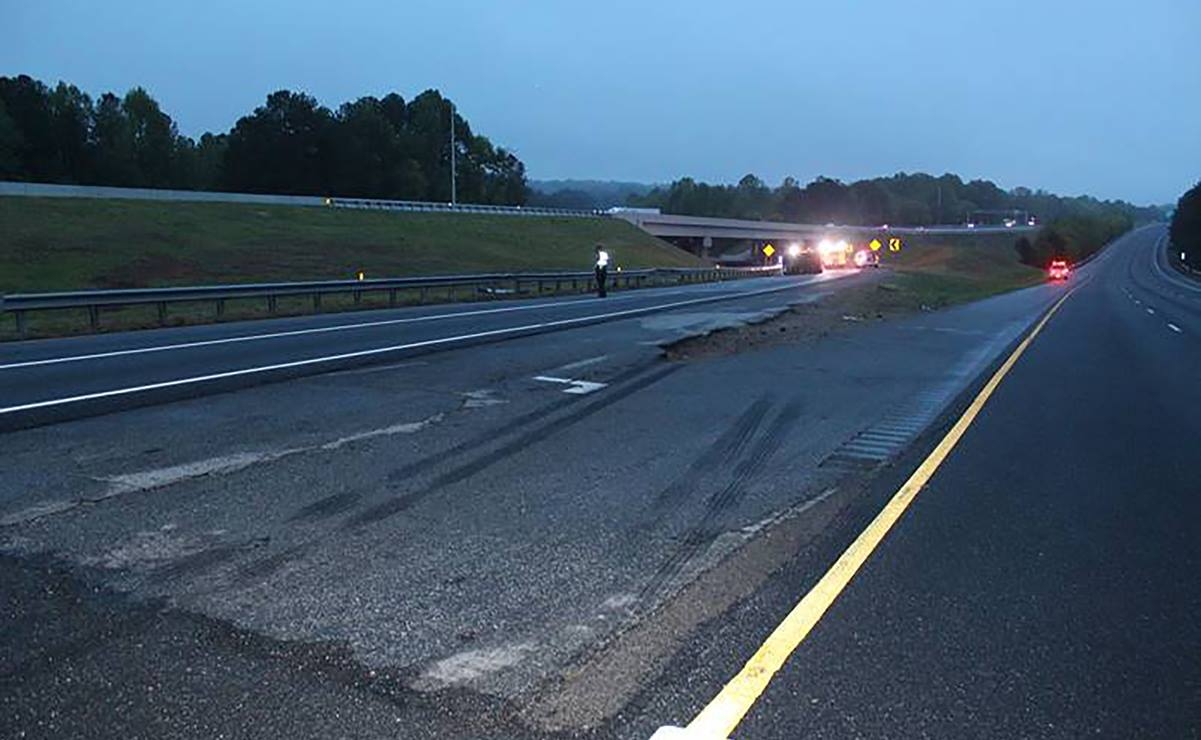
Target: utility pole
[{"x": 453, "y": 194}]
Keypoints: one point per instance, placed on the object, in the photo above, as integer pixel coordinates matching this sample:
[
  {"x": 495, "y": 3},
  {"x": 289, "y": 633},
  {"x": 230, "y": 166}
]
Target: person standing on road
[{"x": 602, "y": 271}]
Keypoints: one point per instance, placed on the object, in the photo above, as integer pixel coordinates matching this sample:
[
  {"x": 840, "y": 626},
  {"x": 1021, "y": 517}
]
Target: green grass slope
[{"x": 74, "y": 244}]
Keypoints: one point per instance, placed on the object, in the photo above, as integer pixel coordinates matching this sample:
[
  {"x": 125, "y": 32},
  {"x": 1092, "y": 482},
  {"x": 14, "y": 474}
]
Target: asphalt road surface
[
  {"x": 52, "y": 380},
  {"x": 1044, "y": 582},
  {"x": 564, "y": 534}
]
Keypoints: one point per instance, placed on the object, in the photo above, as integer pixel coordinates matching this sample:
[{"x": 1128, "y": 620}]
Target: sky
[{"x": 1100, "y": 97}]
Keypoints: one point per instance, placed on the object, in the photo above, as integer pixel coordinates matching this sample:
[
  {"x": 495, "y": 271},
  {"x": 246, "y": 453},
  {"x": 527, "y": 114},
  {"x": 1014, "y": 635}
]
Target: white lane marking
[
  {"x": 278, "y": 335},
  {"x": 507, "y": 331},
  {"x": 149, "y": 480},
  {"x": 1151, "y": 311},
  {"x": 1175, "y": 280},
  {"x": 482, "y": 398},
  {"x": 339, "y": 327},
  {"x": 293, "y": 333},
  {"x": 583, "y": 363},
  {"x": 1173, "y": 327},
  {"x": 578, "y": 387}
]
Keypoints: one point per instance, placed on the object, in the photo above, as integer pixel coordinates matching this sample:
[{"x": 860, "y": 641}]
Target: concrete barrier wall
[{"x": 45, "y": 190}]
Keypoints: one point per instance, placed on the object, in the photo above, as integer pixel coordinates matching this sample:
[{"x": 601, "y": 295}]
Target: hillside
[{"x": 71, "y": 244}]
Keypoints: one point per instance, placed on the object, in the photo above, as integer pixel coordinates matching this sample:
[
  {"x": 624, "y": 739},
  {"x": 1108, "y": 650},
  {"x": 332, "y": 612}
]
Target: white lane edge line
[
  {"x": 1174, "y": 328},
  {"x": 290, "y": 333},
  {"x": 579, "y": 320},
  {"x": 335, "y": 328}
]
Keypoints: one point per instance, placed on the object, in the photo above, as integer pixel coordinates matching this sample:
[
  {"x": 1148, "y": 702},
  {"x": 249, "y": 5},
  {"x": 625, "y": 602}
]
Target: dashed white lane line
[
  {"x": 1151, "y": 311},
  {"x": 583, "y": 363},
  {"x": 1173, "y": 327}
]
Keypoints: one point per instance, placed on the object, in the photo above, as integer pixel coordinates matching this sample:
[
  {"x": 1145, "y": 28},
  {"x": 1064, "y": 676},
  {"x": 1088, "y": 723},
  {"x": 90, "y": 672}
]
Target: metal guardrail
[
  {"x": 414, "y": 206},
  {"x": 488, "y": 284}
]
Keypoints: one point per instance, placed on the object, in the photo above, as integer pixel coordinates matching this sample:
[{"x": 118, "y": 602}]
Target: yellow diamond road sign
[
  {"x": 769, "y": 250},
  {"x": 875, "y": 245}
]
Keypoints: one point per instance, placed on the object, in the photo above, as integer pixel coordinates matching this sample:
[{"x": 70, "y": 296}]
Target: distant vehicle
[
  {"x": 835, "y": 253},
  {"x": 799, "y": 259},
  {"x": 866, "y": 258},
  {"x": 1059, "y": 270}
]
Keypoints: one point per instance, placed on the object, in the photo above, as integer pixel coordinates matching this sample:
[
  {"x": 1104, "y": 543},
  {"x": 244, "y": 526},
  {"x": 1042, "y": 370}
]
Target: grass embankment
[
  {"x": 931, "y": 271},
  {"x": 51, "y": 244},
  {"x": 938, "y": 270}
]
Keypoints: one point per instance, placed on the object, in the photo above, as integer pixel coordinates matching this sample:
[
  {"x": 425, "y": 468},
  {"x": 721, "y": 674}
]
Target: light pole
[{"x": 453, "y": 193}]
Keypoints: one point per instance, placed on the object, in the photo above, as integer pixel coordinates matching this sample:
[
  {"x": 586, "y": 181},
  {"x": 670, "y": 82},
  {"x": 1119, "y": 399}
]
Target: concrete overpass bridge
[{"x": 703, "y": 231}]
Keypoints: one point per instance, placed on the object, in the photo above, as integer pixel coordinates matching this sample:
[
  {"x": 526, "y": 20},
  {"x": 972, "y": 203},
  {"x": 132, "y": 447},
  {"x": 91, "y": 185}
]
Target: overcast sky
[{"x": 1100, "y": 96}]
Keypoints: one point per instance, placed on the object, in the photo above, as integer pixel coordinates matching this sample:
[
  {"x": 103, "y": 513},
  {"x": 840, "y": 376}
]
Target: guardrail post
[
  {"x": 220, "y": 307},
  {"x": 358, "y": 297},
  {"x": 162, "y": 313},
  {"x": 392, "y": 297},
  {"x": 94, "y": 317},
  {"x": 20, "y": 316},
  {"x": 517, "y": 286},
  {"x": 540, "y": 287},
  {"x": 316, "y": 301},
  {"x": 272, "y": 304},
  {"x": 424, "y": 293}
]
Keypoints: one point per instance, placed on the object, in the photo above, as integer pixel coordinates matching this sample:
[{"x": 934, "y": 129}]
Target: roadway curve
[{"x": 1044, "y": 582}]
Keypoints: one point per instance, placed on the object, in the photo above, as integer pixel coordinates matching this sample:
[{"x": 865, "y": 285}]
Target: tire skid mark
[
  {"x": 723, "y": 452},
  {"x": 698, "y": 537},
  {"x": 327, "y": 507},
  {"x": 405, "y": 472},
  {"x": 400, "y": 503},
  {"x": 620, "y": 387}
]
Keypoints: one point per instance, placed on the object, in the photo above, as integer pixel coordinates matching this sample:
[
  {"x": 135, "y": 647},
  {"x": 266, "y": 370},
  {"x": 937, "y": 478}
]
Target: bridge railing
[{"x": 418, "y": 290}]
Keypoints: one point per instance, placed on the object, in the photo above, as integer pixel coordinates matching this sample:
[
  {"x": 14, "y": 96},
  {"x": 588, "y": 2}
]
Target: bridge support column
[{"x": 706, "y": 246}]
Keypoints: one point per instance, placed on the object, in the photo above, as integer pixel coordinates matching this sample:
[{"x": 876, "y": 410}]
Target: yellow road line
[{"x": 719, "y": 718}]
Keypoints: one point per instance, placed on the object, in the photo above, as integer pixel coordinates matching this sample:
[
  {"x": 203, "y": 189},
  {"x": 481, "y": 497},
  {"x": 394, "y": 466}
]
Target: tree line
[
  {"x": 916, "y": 199},
  {"x": 1185, "y": 230},
  {"x": 369, "y": 148}
]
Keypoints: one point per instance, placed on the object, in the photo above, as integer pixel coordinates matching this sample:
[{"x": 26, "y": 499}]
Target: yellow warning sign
[
  {"x": 769, "y": 250},
  {"x": 875, "y": 245},
  {"x": 894, "y": 244}
]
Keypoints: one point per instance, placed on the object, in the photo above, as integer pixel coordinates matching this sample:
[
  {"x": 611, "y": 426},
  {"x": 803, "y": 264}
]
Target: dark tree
[
  {"x": 1185, "y": 230},
  {"x": 115, "y": 162},
  {"x": 281, "y": 148}
]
